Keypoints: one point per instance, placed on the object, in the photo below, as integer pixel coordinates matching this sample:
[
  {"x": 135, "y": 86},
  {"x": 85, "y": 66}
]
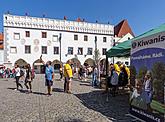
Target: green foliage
[
  {"x": 142, "y": 72},
  {"x": 133, "y": 75},
  {"x": 158, "y": 76},
  {"x": 96, "y": 56}
]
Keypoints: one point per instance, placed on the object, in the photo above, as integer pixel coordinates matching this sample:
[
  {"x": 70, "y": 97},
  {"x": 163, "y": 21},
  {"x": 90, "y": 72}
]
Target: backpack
[
  {"x": 33, "y": 74},
  {"x": 22, "y": 73},
  {"x": 123, "y": 79}
]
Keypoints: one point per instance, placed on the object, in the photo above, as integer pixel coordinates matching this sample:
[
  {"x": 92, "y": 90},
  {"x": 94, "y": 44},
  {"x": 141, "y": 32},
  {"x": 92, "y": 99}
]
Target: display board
[{"x": 147, "y": 99}]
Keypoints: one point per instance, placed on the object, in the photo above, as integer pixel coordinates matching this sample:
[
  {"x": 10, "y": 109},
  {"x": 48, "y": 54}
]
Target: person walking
[
  {"x": 49, "y": 75},
  {"x": 68, "y": 76},
  {"x": 28, "y": 78},
  {"x": 18, "y": 74},
  {"x": 94, "y": 78},
  {"x": 114, "y": 81},
  {"x": 61, "y": 72}
]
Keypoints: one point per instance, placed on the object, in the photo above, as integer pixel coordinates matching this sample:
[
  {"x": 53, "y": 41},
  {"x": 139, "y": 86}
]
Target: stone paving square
[{"x": 85, "y": 104}]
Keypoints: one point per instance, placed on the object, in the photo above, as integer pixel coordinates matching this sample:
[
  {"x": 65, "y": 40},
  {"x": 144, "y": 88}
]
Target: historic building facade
[
  {"x": 26, "y": 39},
  {"x": 122, "y": 32}
]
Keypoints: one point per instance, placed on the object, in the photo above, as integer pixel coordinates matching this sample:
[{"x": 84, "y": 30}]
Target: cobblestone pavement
[{"x": 85, "y": 104}]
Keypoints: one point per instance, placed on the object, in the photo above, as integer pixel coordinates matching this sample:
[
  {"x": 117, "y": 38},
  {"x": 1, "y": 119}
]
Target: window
[
  {"x": 27, "y": 49},
  {"x": 104, "y": 51},
  {"x": 128, "y": 38},
  {"x": 85, "y": 38},
  {"x": 104, "y": 39},
  {"x": 56, "y": 50},
  {"x": 90, "y": 50},
  {"x": 27, "y": 33},
  {"x": 75, "y": 37},
  {"x": 13, "y": 50},
  {"x": 55, "y": 38},
  {"x": 80, "y": 51},
  {"x": 44, "y": 49},
  {"x": 17, "y": 36},
  {"x": 70, "y": 50},
  {"x": 44, "y": 35}
]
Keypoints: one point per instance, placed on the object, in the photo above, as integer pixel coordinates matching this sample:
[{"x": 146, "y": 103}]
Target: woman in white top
[
  {"x": 17, "y": 70},
  {"x": 114, "y": 81}
]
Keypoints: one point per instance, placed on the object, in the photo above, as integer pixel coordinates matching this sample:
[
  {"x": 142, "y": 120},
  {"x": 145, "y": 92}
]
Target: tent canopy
[{"x": 123, "y": 49}]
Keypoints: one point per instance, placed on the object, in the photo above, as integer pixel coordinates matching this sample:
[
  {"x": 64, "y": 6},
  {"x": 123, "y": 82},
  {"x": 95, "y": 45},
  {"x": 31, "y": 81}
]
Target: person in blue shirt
[{"x": 49, "y": 76}]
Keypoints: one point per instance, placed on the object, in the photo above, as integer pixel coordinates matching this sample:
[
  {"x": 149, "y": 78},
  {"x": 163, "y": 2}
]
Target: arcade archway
[
  {"x": 56, "y": 64},
  {"x": 38, "y": 67},
  {"x": 75, "y": 64},
  {"x": 89, "y": 61},
  {"x": 21, "y": 63}
]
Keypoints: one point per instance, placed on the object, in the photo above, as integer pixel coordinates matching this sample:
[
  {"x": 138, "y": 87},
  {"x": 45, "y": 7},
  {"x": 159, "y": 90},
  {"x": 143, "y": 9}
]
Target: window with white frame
[
  {"x": 13, "y": 50},
  {"x": 44, "y": 34},
  {"x": 104, "y": 51},
  {"x": 89, "y": 51},
  {"x": 55, "y": 38},
  {"x": 80, "y": 51},
  {"x": 17, "y": 36},
  {"x": 27, "y": 49},
  {"x": 27, "y": 33},
  {"x": 75, "y": 37},
  {"x": 70, "y": 50},
  {"x": 85, "y": 38},
  {"x": 56, "y": 50},
  {"x": 104, "y": 39},
  {"x": 44, "y": 49}
]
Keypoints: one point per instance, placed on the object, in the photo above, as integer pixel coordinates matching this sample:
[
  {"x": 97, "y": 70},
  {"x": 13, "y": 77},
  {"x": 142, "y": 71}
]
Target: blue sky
[{"x": 142, "y": 15}]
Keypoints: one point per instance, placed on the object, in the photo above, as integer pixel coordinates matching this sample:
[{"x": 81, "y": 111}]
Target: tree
[
  {"x": 97, "y": 58},
  {"x": 133, "y": 75},
  {"x": 142, "y": 72},
  {"x": 158, "y": 71}
]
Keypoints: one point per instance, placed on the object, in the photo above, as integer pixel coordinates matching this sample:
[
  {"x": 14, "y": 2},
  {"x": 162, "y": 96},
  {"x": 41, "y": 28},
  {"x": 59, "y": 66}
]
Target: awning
[{"x": 123, "y": 49}]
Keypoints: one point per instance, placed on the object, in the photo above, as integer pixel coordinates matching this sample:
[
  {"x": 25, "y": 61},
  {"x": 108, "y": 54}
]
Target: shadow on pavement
[
  {"x": 67, "y": 119},
  {"x": 22, "y": 91},
  {"x": 39, "y": 93},
  {"x": 11, "y": 88},
  {"x": 57, "y": 90},
  {"x": 26, "y": 91},
  {"x": 85, "y": 84},
  {"x": 115, "y": 108}
]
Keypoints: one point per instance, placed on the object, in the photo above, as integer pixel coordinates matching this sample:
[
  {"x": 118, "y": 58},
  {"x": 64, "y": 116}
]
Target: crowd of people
[
  {"x": 119, "y": 75},
  {"x": 21, "y": 74},
  {"x": 7, "y": 72},
  {"x": 26, "y": 75}
]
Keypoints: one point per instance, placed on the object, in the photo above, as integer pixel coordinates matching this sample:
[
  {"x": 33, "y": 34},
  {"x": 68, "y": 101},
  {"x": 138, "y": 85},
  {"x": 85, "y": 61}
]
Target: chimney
[
  {"x": 26, "y": 14},
  {"x": 65, "y": 18},
  {"x": 78, "y": 19}
]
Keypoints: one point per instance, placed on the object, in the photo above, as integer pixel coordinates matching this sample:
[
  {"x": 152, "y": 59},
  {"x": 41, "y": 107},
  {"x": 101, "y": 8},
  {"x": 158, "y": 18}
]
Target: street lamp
[
  {"x": 95, "y": 42},
  {"x": 114, "y": 43},
  {"x": 60, "y": 36},
  {"x": 95, "y": 49}
]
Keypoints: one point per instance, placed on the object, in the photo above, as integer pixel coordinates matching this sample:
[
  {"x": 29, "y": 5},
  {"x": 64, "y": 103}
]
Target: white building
[
  {"x": 27, "y": 38},
  {"x": 1, "y": 50},
  {"x": 122, "y": 33}
]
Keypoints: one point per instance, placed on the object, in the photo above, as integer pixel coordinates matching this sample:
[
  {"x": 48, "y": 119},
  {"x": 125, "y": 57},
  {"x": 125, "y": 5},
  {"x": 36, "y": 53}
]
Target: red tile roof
[
  {"x": 1, "y": 40},
  {"x": 122, "y": 29}
]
